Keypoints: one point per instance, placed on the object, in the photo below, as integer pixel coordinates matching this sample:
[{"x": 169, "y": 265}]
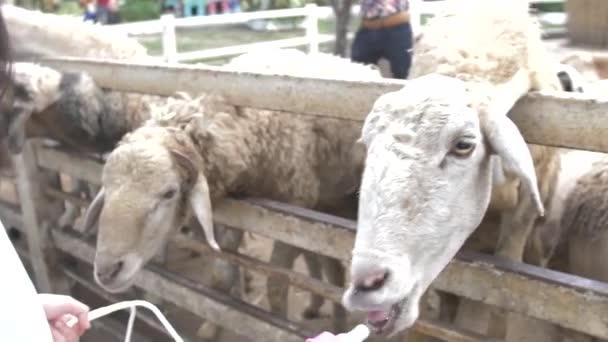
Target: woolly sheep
[
  {"x": 298, "y": 63},
  {"x": 193, "y": 161},
  {"x": 35, "y": 33},
  {"x": 435, "y": 149},
  {"x": 70, "y": 108},
  {"x": 584, "y": 221}
]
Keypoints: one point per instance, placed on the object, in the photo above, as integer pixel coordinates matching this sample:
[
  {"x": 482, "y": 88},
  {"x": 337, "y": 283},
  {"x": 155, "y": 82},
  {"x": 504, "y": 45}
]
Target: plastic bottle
[{"x": 357, "y": 334}]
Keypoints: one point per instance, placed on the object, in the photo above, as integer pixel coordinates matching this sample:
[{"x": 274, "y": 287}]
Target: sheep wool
[
  {"x": 39, "y": 33},
  {"x": 484, "y": 41}
]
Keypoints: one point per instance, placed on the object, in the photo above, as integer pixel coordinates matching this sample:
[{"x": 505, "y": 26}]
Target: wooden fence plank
[
  {"x": 28, "y": 183},
  {"x": 547, "y": 118},
  {"x": 342, "y": 99},
  {"x": 566, "y": 300}
]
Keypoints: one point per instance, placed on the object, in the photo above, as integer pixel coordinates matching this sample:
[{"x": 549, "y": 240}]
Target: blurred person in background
[{"x": 385, "y": 32}]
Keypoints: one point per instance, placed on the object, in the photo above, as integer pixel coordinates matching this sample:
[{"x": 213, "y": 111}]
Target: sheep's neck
[{"x": 227, "y": 162}]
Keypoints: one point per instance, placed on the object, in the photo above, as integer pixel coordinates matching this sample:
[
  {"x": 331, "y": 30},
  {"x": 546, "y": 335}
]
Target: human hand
[{"x": 59, "y": 309}]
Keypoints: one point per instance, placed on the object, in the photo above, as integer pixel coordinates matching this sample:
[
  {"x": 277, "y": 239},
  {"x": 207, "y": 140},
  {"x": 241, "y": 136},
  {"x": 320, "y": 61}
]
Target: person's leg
[
  {"x": 397, "y": 45},
  {"x": 102, "y": 15},
  {"x": 365, "y": 47}
]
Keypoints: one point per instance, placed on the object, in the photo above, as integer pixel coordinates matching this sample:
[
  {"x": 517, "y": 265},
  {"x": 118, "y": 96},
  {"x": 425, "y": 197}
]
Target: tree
[{"x": 342, "y": 11}]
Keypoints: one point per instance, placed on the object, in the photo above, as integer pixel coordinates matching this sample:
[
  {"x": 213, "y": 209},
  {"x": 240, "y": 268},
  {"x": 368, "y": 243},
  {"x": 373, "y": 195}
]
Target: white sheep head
[
  {"x": 149, "y": 186},
  {"x": 432, "y": 150}
]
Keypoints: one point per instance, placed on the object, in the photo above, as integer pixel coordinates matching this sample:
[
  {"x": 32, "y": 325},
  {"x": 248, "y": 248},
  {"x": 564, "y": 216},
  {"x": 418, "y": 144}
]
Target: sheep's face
[
  {"x": 426, "y": 185},
  {"x": 142, "y": 205}
]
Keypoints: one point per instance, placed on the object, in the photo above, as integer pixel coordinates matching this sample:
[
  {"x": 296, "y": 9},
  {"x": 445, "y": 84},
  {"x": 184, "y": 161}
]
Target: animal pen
[{"x": 558, "y": 119}]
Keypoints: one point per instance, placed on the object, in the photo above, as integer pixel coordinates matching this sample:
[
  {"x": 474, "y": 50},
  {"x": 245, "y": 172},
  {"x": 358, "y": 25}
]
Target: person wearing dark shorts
[{"x": 385, "y": 31}]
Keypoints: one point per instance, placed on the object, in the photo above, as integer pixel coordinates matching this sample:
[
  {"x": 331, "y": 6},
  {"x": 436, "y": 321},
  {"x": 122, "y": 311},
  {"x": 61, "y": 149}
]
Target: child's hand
[
  {"x": 358, "y": 334},
  {"x": 59, "y": 309}
]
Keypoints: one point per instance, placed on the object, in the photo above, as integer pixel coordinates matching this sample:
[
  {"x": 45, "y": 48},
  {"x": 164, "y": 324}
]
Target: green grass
[{"x": 69, "y": 8}]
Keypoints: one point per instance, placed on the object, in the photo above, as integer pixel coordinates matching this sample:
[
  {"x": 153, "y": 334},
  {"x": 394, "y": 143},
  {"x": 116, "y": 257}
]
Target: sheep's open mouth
[{"x": 383, "y": 322}]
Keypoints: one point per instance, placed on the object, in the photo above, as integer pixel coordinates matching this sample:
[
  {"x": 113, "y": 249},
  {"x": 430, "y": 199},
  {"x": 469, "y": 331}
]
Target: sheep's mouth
[
  {"x": 383, "y": 322},
  {"x": 117, "y": 286}
]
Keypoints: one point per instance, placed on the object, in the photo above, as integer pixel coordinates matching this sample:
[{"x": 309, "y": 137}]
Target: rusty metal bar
[{"x": 302, "y": 281}]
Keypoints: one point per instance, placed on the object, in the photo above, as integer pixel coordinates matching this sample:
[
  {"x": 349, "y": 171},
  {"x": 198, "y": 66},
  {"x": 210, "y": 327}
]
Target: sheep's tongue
[{"x": 377, "y": 317}]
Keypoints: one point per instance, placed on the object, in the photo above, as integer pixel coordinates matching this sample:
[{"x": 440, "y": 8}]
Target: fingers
[
  {"x": 83, "y": 321},
  {"x": 62, "y": 333},
  {"x": 56, "y": 306},
  {"x": 80, "y": 326}
]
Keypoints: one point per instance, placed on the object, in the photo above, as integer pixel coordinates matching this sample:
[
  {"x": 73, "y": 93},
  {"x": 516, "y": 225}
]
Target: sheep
[
  {"x": 34, "y": 33},
  {"x": 294, "y": 62},
  {"x": 441, "y": 152},
  {"x": 571, "y": 236},
  {"x": 335, "y": 67},
  {"x": 194, "y": 162},
  {"x": 283, "y": 252},
  {"x": 70, "y": 108},
  {"x": 584, "y": 220}
]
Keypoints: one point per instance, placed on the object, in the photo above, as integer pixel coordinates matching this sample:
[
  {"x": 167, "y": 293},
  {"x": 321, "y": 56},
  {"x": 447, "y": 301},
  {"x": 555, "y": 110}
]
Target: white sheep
[
  {"x": 34, "y": 33},
  {"x": 282, "y": 253},
  {"x": 442, "y": 150},
  {"x": 186, "y": 162},
  {"x": 294, "y": 62}
]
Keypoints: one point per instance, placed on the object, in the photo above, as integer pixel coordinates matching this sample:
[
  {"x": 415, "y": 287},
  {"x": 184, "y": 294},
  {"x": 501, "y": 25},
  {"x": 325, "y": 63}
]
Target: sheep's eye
[
  {"x": 169, "y": 194},
  {"x": 463, "y": 148}
]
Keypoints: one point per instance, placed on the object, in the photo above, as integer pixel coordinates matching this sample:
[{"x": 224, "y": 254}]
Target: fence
[
  {"x": 557, "y": 119},
  {"x": 168, "y": 24}
]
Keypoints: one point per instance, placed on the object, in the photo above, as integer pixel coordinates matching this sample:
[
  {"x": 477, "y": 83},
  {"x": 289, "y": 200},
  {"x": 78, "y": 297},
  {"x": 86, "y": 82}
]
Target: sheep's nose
[
  {"x": 371, "y": 280},
  {"x": 108, "y": 273}
]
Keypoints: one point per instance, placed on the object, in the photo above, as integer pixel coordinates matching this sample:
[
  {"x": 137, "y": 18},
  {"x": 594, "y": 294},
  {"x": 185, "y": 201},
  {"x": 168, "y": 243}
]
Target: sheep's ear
[
  {"x": 200, "y": 200},
  {"x": 92, "y": 213},
  {"x": 199, "y": 197},
  {"x": 506, "y": 140},
  {"x": 187, "y": 164}
]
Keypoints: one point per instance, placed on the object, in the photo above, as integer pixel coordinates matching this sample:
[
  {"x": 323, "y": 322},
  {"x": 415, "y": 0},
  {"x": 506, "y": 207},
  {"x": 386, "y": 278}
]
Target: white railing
[{"x": 168, "y": 24}]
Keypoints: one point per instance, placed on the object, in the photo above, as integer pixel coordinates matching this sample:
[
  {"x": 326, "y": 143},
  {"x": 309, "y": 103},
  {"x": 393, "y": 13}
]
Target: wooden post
[
  {"x": 312, "y": 28},
  {"x": 169, "y": 39},
  {"x": 33, "y": 209},
  {"x": 587, "y": 24}
]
